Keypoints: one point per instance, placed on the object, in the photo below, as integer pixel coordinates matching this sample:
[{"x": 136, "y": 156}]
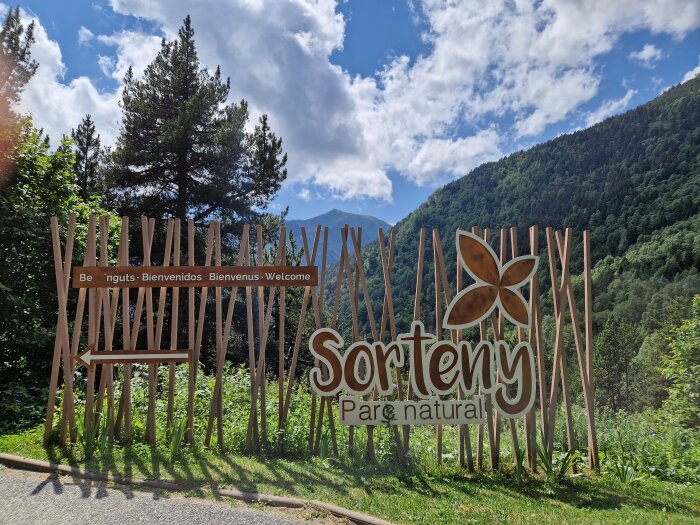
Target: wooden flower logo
[{"x": 496, "y": 285}]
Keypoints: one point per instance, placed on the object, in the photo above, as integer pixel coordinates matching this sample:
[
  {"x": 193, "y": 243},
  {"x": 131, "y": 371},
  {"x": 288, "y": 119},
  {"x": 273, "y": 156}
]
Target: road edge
[{"x": 35, "y": 465}]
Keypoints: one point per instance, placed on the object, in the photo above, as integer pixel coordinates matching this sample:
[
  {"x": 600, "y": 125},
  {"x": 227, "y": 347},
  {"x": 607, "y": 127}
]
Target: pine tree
[
  {"x": 87, "y": 159},
  {"x": 16, "y": 68},
  {"x": 183, "y": 151},
  {"x": 16, "y": 64}
]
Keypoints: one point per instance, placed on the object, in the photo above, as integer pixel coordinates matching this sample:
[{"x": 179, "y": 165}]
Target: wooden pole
[
  {"x": 174, "y": 325},
  {"x": 593, "y": 461},
  {"x": 58, "y": 344}
]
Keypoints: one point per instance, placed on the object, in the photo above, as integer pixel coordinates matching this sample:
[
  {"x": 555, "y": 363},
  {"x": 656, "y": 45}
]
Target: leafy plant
[
  {"x": 176, "y": 436},
  {"x": 544, "y": 461},
  {"x": 519, "y": 465}
]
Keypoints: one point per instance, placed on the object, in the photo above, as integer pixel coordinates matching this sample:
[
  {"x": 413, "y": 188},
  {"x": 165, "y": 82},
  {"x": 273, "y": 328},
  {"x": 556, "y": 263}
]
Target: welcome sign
[
  {"x": 417, "y": 377},
  {"x": 438, "y": 367}
]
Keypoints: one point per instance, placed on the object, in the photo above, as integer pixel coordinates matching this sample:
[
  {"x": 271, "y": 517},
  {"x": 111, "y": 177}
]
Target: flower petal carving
[
  {"x": 479, "y": 258},
  {"x": 519, "y": 271},
  {"x": 514, "y": 307},
  {"x": 471, "y": 306}
]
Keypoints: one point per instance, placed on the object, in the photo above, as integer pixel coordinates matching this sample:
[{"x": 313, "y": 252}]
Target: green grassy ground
[{"x": 402, "y": 494}]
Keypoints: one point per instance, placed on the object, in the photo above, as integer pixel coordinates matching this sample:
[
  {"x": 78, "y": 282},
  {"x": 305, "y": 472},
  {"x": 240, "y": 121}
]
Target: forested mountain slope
[{"x": 633, "y": 180}]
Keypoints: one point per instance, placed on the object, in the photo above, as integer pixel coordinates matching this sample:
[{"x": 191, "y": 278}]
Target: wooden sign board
[
  {"x": 89, "y": 357},
  {"x": 432, "y": 411},
  {"x": 193, "y": 276}
]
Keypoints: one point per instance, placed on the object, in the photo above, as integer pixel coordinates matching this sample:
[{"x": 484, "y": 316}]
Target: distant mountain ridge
[{"x": 335, "y": 220}]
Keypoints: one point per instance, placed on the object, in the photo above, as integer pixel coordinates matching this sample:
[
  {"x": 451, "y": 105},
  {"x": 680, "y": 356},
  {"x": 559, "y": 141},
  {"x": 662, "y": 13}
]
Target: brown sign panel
[
  {"x": 89, "y": 357},
  {"x": 193, "y": 276}
]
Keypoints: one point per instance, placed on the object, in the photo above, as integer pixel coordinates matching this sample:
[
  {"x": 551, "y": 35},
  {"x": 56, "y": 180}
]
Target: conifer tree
[
  {"x": 16, "y": 64},
  {"x": 183, "y": 150},
  {"x": 16, "y": 68},
  {"x": 87, "y": 159}
]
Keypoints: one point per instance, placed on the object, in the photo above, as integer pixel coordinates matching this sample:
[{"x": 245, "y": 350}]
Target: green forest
[{"x": 633, "y": 180}]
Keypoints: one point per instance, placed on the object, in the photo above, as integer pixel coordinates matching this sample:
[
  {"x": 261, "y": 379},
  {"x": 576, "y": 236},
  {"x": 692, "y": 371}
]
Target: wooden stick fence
[{"x": 145, "y": 318}]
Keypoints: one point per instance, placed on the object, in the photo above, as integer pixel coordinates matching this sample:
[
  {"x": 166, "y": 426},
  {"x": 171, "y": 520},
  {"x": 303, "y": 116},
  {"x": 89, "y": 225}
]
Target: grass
[
  {"x": 417, "y": 491},
  {"x": 399, "y": 493}
]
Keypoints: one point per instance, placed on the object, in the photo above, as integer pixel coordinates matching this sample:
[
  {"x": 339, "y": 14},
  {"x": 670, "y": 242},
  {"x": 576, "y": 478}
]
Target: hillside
[
  {"x": 633, "y": 180},
  {"x": 335, "y": 220}
]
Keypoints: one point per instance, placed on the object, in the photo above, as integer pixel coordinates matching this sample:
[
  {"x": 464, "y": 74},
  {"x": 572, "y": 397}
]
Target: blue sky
[{"x": 379, "y": 102}]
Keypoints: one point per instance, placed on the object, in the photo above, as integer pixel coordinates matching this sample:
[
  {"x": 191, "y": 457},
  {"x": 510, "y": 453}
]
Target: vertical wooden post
[
  {"x": 438, "y": 333},
  {"x": 125, "y": 398},
  {"x": 558, "y": 299},
  {"x": 62, "y": 267},
  {"x": 593, "y": 461},
  {"x": 282, "y": 340},
  {"x": 92, "y": 326},
  {"x": 536, "y": 342},
  {"x": 416, "y": 317},
  {"x": 174, "y": 325}
]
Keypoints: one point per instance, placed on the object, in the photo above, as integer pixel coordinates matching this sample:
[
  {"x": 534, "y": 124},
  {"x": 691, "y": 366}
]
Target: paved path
[{"x": 32, "y": 498}]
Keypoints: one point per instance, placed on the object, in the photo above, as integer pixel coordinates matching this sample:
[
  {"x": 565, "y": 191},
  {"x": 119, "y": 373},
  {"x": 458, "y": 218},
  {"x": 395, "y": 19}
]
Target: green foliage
[
  {"x": 651, "y": 443},
  {"x": 623, "y": 179},
  {"x": 42, "y": 186},
  {"x": 183, "y": 151},
  {"x": 615, "y": 347},
  {"x": 682, "y": 369},
  {"x": 177, "y": 434},
  {"x": 94, "y": 437},
  {"x": 87, "y": 159}
]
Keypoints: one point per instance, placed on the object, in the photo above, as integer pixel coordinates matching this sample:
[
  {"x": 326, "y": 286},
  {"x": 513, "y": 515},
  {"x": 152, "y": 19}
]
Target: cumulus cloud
[
  {"x": 59, "y": 106},
  {"x": 133, "y": 49},
  {"x": 648, "y": 55},
  {"x": 495, "y": 71}
]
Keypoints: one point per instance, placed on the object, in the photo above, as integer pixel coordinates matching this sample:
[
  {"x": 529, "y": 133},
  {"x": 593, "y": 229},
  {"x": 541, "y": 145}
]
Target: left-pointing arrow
[{"x": 89, "y": 358}]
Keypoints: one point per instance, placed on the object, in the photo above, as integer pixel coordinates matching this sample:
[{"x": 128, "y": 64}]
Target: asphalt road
[{"x": 32, "y": 498}]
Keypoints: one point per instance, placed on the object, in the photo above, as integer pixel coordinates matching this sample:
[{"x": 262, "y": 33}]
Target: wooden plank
[
  {"x": 58, "y": 349},
  {"x": 191, "y": 336},
  {"x": 416, "y": 317},
  {"x": 566, "y": 392},
  {"x": 558, "y": 300},
  {"x": 388, "y": 316},
  {"x": 174, "y": 326},
  {"x": 281, "y": 348},
  {"x": 593, "y": 461},
  {"x": 193, "y": 277},
  {"x": 299, "y": 333},
  {"x": 261, "y": 380},
  {"x": 92, "y": 326},
  {"x": 196, "y": 331},
  {"x": 107, "y": 372},
  {"x": 464, "y": 436},
  {"x": 352, "y": 294},
  {"x": 124, "y": 412},
  {"x": 216, "y": 406}
]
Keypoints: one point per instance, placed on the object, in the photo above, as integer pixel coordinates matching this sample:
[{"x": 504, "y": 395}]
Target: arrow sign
[{"x": 89, "y": 357}]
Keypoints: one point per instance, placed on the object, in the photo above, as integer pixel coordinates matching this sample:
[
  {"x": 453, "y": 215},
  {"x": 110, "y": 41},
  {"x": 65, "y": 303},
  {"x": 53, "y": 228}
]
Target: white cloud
[
  {"x": 304, "y": 194},
  {"x": 57, "y": 106},
  {"x": 648, "y": 55},
  {"x": 84, "y": 36},
  {"x": 495, "y": 71},
  {"x": 690, "y": 75},
  {"x": 609, "y": 108},
  {"x": 134, "y": 49}
]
